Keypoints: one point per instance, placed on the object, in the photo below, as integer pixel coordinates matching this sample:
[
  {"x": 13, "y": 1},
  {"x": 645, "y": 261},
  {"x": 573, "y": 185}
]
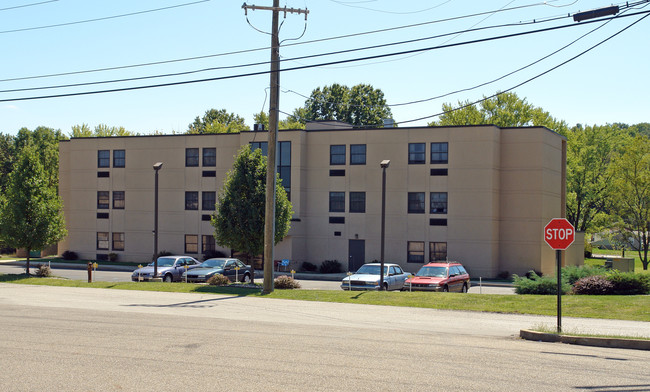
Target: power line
[
  {"x": 333, "y": 62},
  {"x": 102, "y": 18},
  {"x": 27, "y": 5}
]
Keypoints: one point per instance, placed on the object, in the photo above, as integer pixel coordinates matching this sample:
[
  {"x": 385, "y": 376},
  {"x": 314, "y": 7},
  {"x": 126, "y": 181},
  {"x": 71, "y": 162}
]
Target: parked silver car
[
  {"x": 170, "y": 269},
  {"x": 367, "y": 278}
]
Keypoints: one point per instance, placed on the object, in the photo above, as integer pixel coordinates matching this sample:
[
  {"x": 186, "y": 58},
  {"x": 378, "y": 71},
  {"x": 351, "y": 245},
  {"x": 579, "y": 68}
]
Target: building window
[
  {"x": 207, "y": 243},
  {"x": 438, "y": 202},
  {"x": 416, "y": 153},
  {"x": 191, "y": 200},
  {"x": 261, "y": 145},
  {"x": 415, "y": 252},
  {"x": 208, "y": 200},
  {"x": 337, "y": 201},
  {"x": 102, "y": 240},
  {"x": 283, "y": 158},
  {"x": 103, "y": 200},
  {"x": 357, "y": 201},
  {"x": 104, "y": 158},
  {"x": 416, "y": 203},
  {"x": 191, "y": 243},
  {"x": 439, "y": 152},
  {"x": 191, "y": 157},
  {"x": 209, "y": 157},
  {"x": 357, "y": 154},
  {"x": 119, "y": 158},
  {"x": 118, "y": 200},
  {"x": 337, "y": 155},
  {"x": 118, "y": 241},
  {"x": 437, "y": 251}
]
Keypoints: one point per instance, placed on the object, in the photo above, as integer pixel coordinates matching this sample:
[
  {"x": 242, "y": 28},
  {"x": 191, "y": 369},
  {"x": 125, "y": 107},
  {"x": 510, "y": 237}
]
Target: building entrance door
[{"x": 356, "y": 254}]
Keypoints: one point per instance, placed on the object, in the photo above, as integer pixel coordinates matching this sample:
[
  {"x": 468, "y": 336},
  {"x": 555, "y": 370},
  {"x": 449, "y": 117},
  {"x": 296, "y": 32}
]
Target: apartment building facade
[{"x": 480, "y": 195}]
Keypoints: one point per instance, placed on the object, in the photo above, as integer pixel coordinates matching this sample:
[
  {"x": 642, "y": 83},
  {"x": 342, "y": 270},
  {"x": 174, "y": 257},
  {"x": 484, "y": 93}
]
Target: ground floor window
[
  {"x": 191, "y": 243},
  {"x": 118, "y": 241},
  {"x": 102, "y": 240},
  {"x": 437, "y": 251},
  {"x": 415, "y": 253},
  {"x": 207, "y": 243}
]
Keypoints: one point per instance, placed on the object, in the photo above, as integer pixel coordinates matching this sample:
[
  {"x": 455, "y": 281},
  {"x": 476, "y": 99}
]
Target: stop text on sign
[{"x": 559, "y": 234}]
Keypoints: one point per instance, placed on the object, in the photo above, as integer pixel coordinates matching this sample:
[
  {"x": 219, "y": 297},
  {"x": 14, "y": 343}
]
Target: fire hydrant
[{"x": 90, "y": 272}]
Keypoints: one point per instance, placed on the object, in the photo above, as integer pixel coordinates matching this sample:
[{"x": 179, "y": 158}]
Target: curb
[{"x": 632, "y": 344}]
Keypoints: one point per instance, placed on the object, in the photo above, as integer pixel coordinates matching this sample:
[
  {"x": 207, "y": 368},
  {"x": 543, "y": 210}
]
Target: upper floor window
[
  {"x": 261, "y": 145},
  {"x": 439, "y": 152},
  {"x": 209, "y": 157},
  {"x": 438, "y": 202},
  {"x": 416, "y": 153},
  {"x": 357, "y": 154},
  {"x": 104, "y": 158},
  {"x": 103, "y": 200},
  {"x": 284, "y": 165},
  {"x": 191, "y": 157},
  {"x": 208, "y": 200},
  {"x": 337, "y": 201},
  {"x": 118, "y": 200},
  {"x": 191, "y": 200},
  {"x": 337, "y": 154},
  {"x": 119, "y": 158},
  {"x": 416, "y": 203},
  {"x": 357, "y": 201}
]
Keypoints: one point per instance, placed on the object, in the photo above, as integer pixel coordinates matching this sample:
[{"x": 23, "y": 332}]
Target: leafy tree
[
  {"x": 631, "y": 186},
  {"x": 7, "y": 156},
  {"x": 239, "y": 218},
  {"x": 290, "y": 123},
  {"x": 31, "y": 214},
  {"x": 504, "y": 110},
  {"x": 46, "y": 142},
  {"x": 360, "y": 105},
  {"x": 218, "y": 121},
  {"x": 101, "y": 130}
]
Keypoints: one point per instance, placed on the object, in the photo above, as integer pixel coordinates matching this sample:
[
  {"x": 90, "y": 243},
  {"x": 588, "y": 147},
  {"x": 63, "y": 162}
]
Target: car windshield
[
  {"x": 164, "y": 262},
  {"x": 213, "y": 263},
  {"x": 371, "y": 270},
  {"x": 439, "y": 272}
]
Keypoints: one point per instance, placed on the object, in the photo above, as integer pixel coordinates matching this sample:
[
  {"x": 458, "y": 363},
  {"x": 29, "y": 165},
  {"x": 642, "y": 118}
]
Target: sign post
[{"x": 559, "y": 234}]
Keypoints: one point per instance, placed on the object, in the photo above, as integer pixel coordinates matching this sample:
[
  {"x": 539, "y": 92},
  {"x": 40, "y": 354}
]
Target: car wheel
[
  {"x": 247, "y": 278},
  {"x": 464, "y": 289},
  {"x": 168, "y": 278},
  {"x": 385, "y": 286},
  {"x": 445, "y": 289}
]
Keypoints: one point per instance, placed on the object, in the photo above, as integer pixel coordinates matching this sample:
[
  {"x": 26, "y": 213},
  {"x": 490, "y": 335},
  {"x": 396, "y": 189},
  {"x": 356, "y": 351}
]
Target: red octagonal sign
[{"x": 559, "y": 233}]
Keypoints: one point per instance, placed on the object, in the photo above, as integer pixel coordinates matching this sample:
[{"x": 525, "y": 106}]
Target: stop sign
[{"x": 559, "y": 233}]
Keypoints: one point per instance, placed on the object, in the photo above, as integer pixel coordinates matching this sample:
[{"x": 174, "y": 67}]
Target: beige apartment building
[{"x": 480, "y": 195}]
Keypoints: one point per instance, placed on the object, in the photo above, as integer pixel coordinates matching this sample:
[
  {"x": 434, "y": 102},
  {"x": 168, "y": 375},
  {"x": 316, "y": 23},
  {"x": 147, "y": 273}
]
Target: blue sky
[{"x": 608, "y": 84}]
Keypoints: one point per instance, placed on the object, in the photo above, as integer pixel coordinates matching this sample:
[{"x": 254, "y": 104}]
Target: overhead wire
[{"x": 27, "y": 5}]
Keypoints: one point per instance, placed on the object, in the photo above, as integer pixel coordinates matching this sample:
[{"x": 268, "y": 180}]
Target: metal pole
[
  {"x": 156, "y": 168},
  {"x": 269, "y": 214},
  {"x": 558, "y": 257},
  {"x": 383, "y": 224}
]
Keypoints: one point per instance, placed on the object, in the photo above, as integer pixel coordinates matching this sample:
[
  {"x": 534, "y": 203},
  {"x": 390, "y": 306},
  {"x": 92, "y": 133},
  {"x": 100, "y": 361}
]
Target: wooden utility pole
[{"x": 274, "y": 112}]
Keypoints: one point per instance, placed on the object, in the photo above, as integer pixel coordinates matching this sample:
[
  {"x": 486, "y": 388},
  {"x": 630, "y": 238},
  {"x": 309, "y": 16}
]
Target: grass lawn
[{"x": 636, "y": 307}]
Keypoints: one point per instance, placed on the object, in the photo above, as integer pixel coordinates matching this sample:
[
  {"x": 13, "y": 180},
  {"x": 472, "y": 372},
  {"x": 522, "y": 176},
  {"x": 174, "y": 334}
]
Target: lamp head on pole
[
  {"x": 157, "y": 166},
  {"x": 384, "y": 164}
]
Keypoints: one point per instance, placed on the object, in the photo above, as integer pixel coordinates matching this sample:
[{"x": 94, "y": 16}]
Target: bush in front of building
[
  {"x": 629, "y": 283},
  {"x": 218, "y": 280},
  {"x": 330, "y": 267},
  {"x": 308, "y": 267},
  {"x": 285, "y": 282},
  {"x": 43, "y": 271},
  {"x": 593, "y": 285},
  {"x": 574, "y": 273},
  {"x": 535, "y": 284},
  {"x": 70, "y": 255}
]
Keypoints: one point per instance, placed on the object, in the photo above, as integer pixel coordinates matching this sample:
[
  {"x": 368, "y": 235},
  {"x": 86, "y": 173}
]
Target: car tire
[
  {"x": 385, "y": 286},
  {"x": 445, "y": 289},
  {"x": 464, "y": 289},
  {"x": 246, "y": 278},
  {"x": 168, "y": 278}
]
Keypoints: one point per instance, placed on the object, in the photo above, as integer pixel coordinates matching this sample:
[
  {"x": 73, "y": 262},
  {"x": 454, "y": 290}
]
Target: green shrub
[
  {"x": 574, "y": 273},
  {"x": 588, "y": 249},
  {"x": 593, "y": 285},
  {"x": 69, "y": 255},
  {"x": 43, "y": 271},
  {"x": 629, "y": 283},
  {"x": 546, "y": 285},
  {"x": 330, "y": 267},
  {"x": 308, "y": 267},
  {"x": 285, "y": 282},
  {"x": 218, "y": 280}
]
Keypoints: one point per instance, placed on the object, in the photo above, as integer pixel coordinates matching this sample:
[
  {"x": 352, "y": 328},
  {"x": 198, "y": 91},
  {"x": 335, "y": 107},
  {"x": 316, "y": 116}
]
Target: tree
[
  {"x": 46, "y": 143},
  {"x": 504, "y": 110},
  {"x": 218, "y": 121},
  {"x": 7, "y": 155},
  {"x": 101, "y": 130},
  {"x": 360, "y": 105},
  {"x": 239, "y": 218},
  {"x": 631, "y": 186},
  {"x": 290, "y": 123},
  {"x": 31, "y": 214}
]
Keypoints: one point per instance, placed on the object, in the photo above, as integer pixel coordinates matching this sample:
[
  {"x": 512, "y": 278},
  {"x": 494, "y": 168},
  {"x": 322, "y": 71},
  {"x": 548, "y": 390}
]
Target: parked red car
[{"x": 440, "y": 276}]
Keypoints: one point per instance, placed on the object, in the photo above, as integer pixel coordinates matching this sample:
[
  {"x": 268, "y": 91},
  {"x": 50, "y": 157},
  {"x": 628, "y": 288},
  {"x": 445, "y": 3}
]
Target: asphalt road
[
  {"x": 76, "y": 339},
  {"x": 120, "y": 276}
]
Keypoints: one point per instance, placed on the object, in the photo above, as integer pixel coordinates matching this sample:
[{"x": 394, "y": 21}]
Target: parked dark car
[
  {"x": 367, "y": 277},
  {"x": 442, "y": 276},
  {"x": 170, "y": 269},
  {"x": 233, "y": 269}
]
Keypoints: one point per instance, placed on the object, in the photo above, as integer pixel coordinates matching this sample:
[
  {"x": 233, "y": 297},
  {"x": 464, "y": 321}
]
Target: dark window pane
[
  {"x": 416, "y": 153},
  {"x": 439, "y": 152},
  {"x": 261, "y": 145},
  {"x": 357, "y": 154},
  {"x": 208, "y": 201},
  {"x": 191, "y": 157},
  {"x": 438, "y": 202},
  {"x": 415, "y": 252},
  {"x": 357, "y": 201},
  {"x": 118, "y": 200},
  {"x": 337, "y": 219},
  {"x": 118, "y": 241},
  {"x": 337, "y": 173},
  {"x": 437, "y": 251},
  {"x": 284, "y": 155},
  {"x": 119, "y": 158},
  {"x": 191, "y": 200},
  {"x": 437, "y": 222},
  {"x": 103, "y": 201},
  {"x": 438, "y": 172},
  {"x": 209, "y": 157},
  {"x": 416, "y": 203},
  {"x": 104, "y": 158},
  {"x": 207, "y": 243},
  {"x": 337, "y": 201},
  {"x": 337, "y": 155}
]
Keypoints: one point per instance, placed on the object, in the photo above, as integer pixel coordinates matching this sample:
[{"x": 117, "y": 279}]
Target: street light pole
[
  {"x": 156, "y": 168},
  {"x": 384, "y": 164}
]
